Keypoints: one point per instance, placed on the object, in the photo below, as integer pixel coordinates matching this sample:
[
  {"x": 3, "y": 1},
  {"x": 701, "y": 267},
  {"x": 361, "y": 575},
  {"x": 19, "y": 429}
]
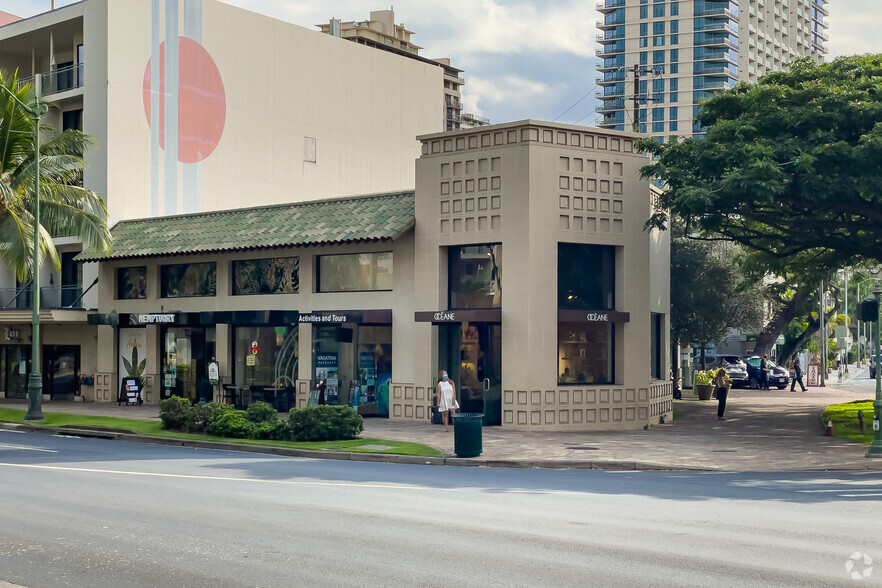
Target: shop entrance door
[
  {"x": 471, "y": 352},
  {"x": 62, "y": 371}
]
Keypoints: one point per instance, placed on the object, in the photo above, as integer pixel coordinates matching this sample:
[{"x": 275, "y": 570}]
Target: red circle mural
[{"x": 202, "y": 103}]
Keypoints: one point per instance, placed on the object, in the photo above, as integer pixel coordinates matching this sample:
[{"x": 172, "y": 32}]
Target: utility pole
[
  {"x": 639, "y": 98},
  {"x": 822, "y": 336}
]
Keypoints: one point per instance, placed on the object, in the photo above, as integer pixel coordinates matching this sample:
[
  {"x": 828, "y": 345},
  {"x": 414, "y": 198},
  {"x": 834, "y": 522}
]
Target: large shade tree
[
  {"x": 791, "y": 166},
  {"x": 66, "y": 208}
]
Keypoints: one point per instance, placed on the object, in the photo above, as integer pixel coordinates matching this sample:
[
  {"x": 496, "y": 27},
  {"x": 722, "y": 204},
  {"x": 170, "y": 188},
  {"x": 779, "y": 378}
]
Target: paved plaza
[{"x": 773, "y": 430}]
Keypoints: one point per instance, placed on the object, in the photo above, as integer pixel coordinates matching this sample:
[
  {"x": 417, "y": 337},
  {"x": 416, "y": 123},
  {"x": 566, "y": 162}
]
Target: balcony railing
[
  {"x": 60, "y": 80},
  {"x": 610, "y": 5},
  {"x": 51, "y": 297}
]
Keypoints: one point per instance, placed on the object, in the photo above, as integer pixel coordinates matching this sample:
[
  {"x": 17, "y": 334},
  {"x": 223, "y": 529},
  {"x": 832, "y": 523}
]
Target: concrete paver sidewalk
[{"x": 765, "y": 431}]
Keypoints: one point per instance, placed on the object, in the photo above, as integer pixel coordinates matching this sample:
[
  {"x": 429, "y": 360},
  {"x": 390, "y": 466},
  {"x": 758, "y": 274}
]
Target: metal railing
[
  {"x": 59, "y": 80},
  {"x": 51, "y": 297}
]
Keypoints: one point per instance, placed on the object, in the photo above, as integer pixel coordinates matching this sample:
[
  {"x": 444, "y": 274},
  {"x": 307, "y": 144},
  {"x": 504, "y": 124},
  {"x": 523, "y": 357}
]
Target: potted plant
[{"x": 704, "y": 386}]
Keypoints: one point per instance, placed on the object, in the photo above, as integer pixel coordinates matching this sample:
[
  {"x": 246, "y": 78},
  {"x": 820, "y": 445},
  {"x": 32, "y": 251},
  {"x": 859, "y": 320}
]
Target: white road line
[
  {"x": 220, "y": 478},
  {"x": 7, "y": 446},
  {"x": 284, "y": 482}
]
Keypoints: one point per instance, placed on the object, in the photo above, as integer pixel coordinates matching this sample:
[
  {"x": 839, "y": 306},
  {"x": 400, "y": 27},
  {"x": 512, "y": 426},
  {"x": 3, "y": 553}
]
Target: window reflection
[{"x": 475, "y": 278}]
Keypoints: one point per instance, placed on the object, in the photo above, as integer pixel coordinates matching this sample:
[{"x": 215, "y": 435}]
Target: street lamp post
[
  {"x": 35, "y": 380},
  {"x": 876, "y": 447}
]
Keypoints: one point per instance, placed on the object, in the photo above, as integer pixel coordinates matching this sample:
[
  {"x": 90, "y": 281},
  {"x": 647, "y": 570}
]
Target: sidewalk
[{"x": 765, "y": 431}]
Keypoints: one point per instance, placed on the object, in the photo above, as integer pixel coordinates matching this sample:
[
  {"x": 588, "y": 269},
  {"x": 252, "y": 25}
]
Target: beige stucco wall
[
  {"x": 283, "y": 83},
  {"x": 525, "y": 185},
  {"x": 308, "y": 300}
]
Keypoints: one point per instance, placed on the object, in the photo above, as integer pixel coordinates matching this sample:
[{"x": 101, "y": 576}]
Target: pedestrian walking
[
  {"x": 445, "y": 392},
  {"x": 722, "y": 391},
  {"x": 797, "y": 375},
  {"x": 764, "y": 373}
]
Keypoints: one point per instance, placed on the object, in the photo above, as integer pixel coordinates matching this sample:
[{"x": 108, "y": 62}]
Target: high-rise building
[
  {"x": 658, "y": 58},
  {"x": 381, "y": 32}
]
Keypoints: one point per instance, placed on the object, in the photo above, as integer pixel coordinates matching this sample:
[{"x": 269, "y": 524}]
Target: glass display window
[
  {"x": 586, "y": 276},
  {"x": 266, "y": 356},
  {"x": 186, "y": 352},
  {"x": 184, "y": 280},
  {"x": 275, "y": 275},
  {"x": 585, "y": 353},
  {"x": 475, "y": 279},
  {"x": 131, "y": 283},
  {"x": 359, "y": 272}
]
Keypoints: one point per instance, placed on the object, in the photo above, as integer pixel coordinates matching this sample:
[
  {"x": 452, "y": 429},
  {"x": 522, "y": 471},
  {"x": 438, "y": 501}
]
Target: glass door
[
  {"x": 472, "y": 355},
  {"x": 62, "y": 371}
]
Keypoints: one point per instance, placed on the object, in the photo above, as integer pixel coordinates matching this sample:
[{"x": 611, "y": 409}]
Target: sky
[{"x": 522, "y": 58}]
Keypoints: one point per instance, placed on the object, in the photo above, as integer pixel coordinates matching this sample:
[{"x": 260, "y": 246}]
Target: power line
[{"x": 588, "y": 93}]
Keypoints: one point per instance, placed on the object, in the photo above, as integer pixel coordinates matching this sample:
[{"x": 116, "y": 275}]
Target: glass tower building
[{"x": 684, "y": 50}]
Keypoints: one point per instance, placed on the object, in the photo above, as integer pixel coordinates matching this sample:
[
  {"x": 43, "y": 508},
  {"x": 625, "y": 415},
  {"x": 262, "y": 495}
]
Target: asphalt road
[{"x": 85, "y": 512}]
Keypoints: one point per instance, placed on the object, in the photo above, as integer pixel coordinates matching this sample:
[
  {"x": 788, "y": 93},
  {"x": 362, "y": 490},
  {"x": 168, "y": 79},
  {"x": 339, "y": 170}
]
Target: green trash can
[{"x": 467, "y": 440}]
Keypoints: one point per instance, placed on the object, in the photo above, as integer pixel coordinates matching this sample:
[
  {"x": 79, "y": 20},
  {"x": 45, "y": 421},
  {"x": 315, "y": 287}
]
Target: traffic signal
[{"x": 868, "y": 311}]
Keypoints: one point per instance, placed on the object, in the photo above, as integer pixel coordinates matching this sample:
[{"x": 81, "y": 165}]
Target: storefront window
[
  {"x": 352, "y": 364},
  {"x": 361, "y": 272},
  {"x": 585, "y": 276},
  {"x": 266, "y": 356},
  {"x": 185, "y": 356},
  {"x": 585, "y": 353},
  {"x": 266, "y": 276},
  {"x": 189, "y": 279},
  {"x": 374, "y": 367},
  {"x": 475, "y": 279},
  {"x": 131, "y": 282}
]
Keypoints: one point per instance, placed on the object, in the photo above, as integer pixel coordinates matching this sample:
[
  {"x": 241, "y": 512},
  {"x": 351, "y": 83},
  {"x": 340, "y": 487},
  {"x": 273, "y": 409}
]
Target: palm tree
[{"x": 66, "y": 208}]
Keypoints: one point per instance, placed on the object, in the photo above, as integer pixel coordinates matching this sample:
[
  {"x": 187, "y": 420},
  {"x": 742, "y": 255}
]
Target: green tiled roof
[{"x": 375, "y": 217}]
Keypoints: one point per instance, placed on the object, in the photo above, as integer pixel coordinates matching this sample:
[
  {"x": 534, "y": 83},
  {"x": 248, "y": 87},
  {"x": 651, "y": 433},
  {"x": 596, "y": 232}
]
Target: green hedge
[
  {"x": 325, "y": 423},
  {"x": 260, "y": 421}
]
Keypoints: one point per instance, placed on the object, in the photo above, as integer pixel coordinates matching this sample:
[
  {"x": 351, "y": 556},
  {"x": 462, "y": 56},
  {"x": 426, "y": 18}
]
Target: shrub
[
  {"x": 261, "y": 412},
  {"x": 175, "y": 413},
  {"x": 325, "y": 423},
  {"x": 277, "y": 430},
  {"x": 230, "y": 423},
  {"x": 202, "y": 415}
]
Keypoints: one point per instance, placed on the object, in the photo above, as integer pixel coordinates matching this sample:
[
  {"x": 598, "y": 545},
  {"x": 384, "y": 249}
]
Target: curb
[
  {"x": 449, "y": 460},
  {"x": 607, "y": 465}
]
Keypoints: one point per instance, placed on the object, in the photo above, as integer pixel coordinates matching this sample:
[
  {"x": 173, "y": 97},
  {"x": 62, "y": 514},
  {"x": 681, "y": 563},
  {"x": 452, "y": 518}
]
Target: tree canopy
[
  {"x": 791, "y": 165},
  {"x": 66, "y": 208}
]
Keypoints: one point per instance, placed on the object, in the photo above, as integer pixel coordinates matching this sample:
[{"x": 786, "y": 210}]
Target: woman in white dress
[{"x": 445, "y": 392}]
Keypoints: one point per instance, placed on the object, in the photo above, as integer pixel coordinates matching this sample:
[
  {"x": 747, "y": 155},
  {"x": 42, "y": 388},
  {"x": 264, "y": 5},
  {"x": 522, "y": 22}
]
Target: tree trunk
[{"x": 789, "y": 310}]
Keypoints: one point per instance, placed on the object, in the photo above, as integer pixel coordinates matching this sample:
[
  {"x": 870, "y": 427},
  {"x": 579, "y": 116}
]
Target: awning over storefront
[
  {"x": 359, "y": 219},
  {"x": 194, "y": 319},
  {"x": 381, "y": 317},
  {"x": 469, "y": 315},
  {"x": 593, "y": 316}
]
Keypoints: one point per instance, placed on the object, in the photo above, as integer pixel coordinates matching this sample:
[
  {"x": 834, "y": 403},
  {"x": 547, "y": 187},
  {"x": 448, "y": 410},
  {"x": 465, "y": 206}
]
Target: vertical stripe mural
[
  {"x": 185, "y": 102},
  {"x": 153, "y": 114},
  {"x": 170, "y": 99}
]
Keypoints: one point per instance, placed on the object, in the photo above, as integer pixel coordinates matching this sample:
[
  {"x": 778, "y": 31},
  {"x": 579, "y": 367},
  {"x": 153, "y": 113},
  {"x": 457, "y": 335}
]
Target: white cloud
[
  {"x": 517, "y": 94},
  {"x": 853, "y": 26}
]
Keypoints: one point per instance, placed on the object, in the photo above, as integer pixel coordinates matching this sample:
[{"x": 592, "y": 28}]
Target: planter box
[{"x": 704, "y": 391}]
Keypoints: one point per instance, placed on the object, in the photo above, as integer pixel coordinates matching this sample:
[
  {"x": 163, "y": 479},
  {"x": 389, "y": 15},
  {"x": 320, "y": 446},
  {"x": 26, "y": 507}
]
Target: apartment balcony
[
  {"x": 729, "y": 10},
  {"x": 715, "y": 42},
  {"x": 612, "y": 49},
  {"x": 51, "y": 297},
  {"x": 702, "y": 68},
  {"x": 609, "y": 37},
  {"x": 60, "y": 80},
  {"x": 609, "y": 5},
  {"x": 611, "y": 105},
  {"x": 716, "y": 55},
  {"x": 452, "y": 101},
  {"x": 721, "y": 25},
  {"x": 609, "y": 22}
]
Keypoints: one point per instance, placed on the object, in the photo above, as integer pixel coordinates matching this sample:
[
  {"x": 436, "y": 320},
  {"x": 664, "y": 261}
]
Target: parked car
[
  {"x": 736, "y": 367},
  {"x": 778, "y": 376}
]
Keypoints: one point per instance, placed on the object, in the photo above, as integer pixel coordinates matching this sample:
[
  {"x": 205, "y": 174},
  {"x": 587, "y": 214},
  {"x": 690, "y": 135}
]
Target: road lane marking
[
  {"x": 218, "y": 478},
  {"x": 284, "y": 482},
  {"x": 7, "y": 446}
]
